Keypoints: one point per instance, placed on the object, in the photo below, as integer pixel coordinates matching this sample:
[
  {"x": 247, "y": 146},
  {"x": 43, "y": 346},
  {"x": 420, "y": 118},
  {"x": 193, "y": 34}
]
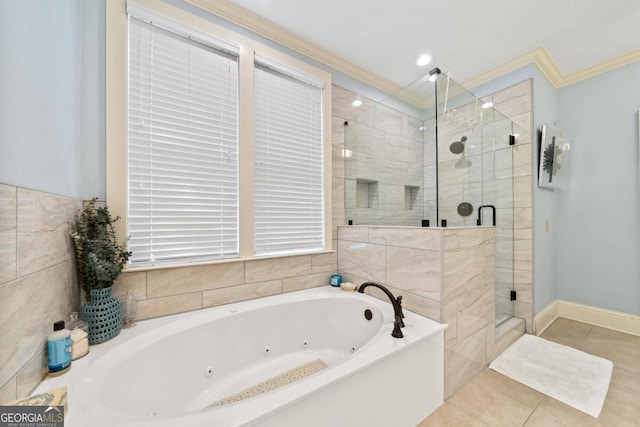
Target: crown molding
[
  {"x": 603, "y": 67},
  {"x": 240, "y": 16},
  {"x": 547, "y": 65},
  {"x": 539, "y": 56}
]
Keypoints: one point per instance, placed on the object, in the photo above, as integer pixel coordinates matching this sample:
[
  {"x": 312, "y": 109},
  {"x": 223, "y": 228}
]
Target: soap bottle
[
  {"x": 79, "y": 336},
  {"x": 59, "y": 349}
]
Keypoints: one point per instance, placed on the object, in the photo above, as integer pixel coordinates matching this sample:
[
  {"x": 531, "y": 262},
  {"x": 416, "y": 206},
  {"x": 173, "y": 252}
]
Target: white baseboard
[
  {"x": 623, "y": 322},
  {"x": 545, "y": 318}
]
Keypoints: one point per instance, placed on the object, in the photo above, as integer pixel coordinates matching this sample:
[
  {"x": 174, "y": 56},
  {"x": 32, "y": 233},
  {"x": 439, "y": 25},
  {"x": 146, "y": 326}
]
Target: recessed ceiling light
[
  {"x": 423, "y": 60},
  {"x": 356, "y": 103},
  {"x": 487, "y": 105}
]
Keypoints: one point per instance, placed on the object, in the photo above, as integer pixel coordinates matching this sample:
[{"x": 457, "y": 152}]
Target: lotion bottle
[{"x": 59, "y": 349}]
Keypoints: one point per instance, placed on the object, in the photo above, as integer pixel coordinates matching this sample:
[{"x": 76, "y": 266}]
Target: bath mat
[
  {"x": 274, "y": 383},
  {"x": 571, "y": 376}
]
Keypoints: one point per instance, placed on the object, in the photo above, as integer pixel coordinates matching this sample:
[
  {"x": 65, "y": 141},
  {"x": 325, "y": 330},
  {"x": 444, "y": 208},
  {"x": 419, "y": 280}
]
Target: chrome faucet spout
[{"x": 395, "y": 302}]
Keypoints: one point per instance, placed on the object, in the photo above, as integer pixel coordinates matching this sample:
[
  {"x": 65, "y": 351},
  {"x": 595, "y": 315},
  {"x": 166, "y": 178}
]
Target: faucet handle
[{"x": 399, "y": 301}]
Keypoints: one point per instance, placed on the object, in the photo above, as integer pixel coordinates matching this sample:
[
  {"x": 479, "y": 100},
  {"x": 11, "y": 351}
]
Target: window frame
[{"x": 116, "y": 120}]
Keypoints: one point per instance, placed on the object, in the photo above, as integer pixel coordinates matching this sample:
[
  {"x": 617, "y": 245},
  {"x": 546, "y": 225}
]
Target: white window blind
[
  {"x": 288, "y": 157},
  {"x": 182, "y": 148}
]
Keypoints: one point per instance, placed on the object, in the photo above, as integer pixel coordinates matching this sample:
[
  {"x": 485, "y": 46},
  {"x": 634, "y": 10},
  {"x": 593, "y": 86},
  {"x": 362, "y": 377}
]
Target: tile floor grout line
[
  {"x": 534, "y": 410},
  {"x": 585, "y": 338}
]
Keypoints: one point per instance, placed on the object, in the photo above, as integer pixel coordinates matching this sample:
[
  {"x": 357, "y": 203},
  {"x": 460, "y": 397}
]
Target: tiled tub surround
[
  {"x": 165, "y": 291},
  {"x": 37, "y": 282},
  {"x": 445, "y": 274}
]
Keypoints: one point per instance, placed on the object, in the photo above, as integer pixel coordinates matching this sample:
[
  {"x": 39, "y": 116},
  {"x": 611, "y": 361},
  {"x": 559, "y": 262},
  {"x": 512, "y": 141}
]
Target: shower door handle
[{"x": 493, "y": 208}]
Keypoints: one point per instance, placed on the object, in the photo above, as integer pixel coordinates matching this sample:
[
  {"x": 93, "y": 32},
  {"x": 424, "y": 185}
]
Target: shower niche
[{"x": 434, "y": 151}]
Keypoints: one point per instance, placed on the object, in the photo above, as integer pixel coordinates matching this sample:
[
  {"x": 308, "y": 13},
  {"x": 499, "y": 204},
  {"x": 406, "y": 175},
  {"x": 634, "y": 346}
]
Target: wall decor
[{"x": 554, "y": 158}]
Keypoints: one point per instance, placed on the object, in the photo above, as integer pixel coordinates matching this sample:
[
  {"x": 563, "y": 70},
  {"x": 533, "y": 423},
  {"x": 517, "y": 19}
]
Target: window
[
  {"x": 288, "y": 162},
  {"x": 183, "y": 148},
  {"x": 223, "y": 151}
]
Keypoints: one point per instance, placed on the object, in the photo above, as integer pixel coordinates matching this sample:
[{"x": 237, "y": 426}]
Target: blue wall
[
  {"x": 39, "y": 95},
  {"x": 597, "y": 242}
]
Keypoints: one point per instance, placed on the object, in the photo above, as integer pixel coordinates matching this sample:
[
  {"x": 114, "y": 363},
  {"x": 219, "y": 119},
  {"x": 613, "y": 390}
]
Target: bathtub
[{"x": 168, "y": 371}]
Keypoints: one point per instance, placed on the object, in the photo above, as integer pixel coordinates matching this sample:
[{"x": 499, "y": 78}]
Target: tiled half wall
[{"x": 447, "y": 275}]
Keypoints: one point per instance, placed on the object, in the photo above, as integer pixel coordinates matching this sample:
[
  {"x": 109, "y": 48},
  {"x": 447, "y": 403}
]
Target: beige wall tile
[
  {"x": 241, "y": 292},
  {"x": 415, "y": 270},
  {"x": 476, "y": 309},
  {"x": 362, "y": 259},
  {"x": 339, "y": 218},
  {"x": 522, "y": 217},
  {"x": 157, "y": 307},
  {"x": 354, "y": 233},
  {"x": 463, "y": 361},
  {"x": 21, "y": 320},
  {"x": 8, "y": 233},
  {"x": 277, "y": 268},
  {"x": 421, "y": 305},
  {"x": 44, "y": 222},
  {"x": 60, "y": 293},
  {"x": 480, "y": 236},
  {"x": 417, "y": 238},
  {"x": 32, "y": 373},
  {"x": 337, "y": 193},
  {"x": 496, "y": 346},
  {"x": 8, "y": 392},
  {"x": 185, "y": 280},
  {"x": 522, "y": 192},
  {"x": 464, "y": 270},
  {"x": 324, "y": 263},
  {"x": 450, "y": 239},
  {"x": 524, "y": 310},
  {"x": 522, "y": 250},
  {"x": 450, "y": 317},
  {"x": 134, "y": 282},
  {"x": 337, "y": 160},
  {"x": 522, "y": 160},
  {"x": 307, "y": 281}
]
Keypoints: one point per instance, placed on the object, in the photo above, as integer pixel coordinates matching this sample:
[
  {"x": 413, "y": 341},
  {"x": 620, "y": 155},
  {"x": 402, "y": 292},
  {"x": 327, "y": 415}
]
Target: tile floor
[{"x": 495, "y": 401}]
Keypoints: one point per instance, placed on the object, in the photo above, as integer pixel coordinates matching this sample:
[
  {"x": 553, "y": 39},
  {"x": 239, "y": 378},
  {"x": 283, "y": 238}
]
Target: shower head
[{"x": 458, "y": 146}]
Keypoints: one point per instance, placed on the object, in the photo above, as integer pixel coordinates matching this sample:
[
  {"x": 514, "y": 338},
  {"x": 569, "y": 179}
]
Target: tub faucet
[{"x": 395, "y": 302}]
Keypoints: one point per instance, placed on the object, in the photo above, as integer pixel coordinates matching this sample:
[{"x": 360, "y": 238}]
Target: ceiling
[{"x": 466, "y": 38}]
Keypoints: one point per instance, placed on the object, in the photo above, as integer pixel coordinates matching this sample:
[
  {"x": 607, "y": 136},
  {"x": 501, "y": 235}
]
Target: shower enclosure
[{"x": 433, "y": 154}]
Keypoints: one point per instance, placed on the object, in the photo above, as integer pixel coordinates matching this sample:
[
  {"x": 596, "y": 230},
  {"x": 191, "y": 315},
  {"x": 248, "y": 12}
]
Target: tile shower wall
[
  {"x": 516, "y": 102},
  {"x": 37, "y": 282},
  {"x": 447, "y": 275},
  {"x": 497, "y": 176},
  {"x": 383, "y": 169}
]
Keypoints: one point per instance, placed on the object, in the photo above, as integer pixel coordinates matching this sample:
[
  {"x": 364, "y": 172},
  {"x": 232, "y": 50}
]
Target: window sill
[{"x": 219, "y": 261}]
